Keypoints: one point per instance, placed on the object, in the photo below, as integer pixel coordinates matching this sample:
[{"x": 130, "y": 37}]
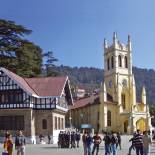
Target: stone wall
[{"x": 23, "y": 112}]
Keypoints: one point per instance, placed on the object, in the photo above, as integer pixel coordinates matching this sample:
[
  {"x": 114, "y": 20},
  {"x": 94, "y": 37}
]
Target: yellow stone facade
[
  {"x": 85, "y": 111},
  {"x": 119, "y": 110}
]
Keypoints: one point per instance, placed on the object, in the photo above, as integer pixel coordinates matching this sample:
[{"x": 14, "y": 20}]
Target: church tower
[
  {"x": 119, "y": 110},
  {"x": 118, "y": 75}
]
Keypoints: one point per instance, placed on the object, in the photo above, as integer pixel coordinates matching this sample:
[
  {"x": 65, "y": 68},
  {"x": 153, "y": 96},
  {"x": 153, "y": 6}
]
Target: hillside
[{"x": 92, "y": 77}]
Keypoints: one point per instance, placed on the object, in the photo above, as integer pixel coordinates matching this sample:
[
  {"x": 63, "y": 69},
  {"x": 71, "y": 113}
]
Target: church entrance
[
  {"x": 126, "y": 126},
  {"x": 141, "y": 125}
]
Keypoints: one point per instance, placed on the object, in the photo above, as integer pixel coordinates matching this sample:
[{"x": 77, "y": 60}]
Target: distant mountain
[{"x": 91, "y": 78}]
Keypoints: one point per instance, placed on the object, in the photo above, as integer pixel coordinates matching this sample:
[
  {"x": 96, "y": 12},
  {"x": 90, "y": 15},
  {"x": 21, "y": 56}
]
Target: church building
[
  {"x": 37, "y": 106},
  {"x": 119, "y": 110}
]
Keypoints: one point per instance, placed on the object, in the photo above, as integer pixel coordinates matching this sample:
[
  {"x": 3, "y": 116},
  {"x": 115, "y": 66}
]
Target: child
[{"x": 8, "y": 144}]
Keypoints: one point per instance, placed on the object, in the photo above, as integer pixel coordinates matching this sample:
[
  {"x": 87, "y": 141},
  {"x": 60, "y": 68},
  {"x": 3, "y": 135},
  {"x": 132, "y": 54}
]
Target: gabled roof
[
  {"x": 19, "y": 80},
  {"x": 94, "y": 99},
  {"x": 47, "y": 86},
  {"x": 39, "y": 87}
]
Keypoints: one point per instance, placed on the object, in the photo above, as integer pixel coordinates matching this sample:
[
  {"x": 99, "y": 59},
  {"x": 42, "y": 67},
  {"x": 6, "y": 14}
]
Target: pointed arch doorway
[
  {"x": 126, "y": 126},
  {"x": 141, "y": 124}
]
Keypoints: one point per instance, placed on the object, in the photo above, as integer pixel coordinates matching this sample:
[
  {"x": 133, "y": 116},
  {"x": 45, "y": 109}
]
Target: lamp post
[{"x": 70, "y": 119}]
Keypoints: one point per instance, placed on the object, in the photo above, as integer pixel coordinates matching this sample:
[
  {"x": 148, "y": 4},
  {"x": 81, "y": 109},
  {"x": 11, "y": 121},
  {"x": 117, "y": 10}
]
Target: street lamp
[{"x": 70, "y": 120}]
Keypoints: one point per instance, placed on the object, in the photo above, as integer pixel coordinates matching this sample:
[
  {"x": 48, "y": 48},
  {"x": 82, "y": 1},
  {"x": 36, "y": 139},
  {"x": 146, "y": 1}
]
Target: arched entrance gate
[{"x": 141, "y": 124}]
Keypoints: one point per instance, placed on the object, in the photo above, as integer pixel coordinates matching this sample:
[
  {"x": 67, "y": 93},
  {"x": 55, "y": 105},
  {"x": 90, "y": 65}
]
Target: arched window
[
  {"x": 109, "y": 118},
  {"x": 112, "y": 62},
  {"x": 108, "y": 64},
  {"x": 44, "y": 124},
  {"x": 126, "y": 62},
  {"x": 123, "y": 101},
  {"x": 120, "y": 61}
]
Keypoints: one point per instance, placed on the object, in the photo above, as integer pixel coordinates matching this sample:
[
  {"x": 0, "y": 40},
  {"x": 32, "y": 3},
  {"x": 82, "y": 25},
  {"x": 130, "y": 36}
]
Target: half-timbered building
[{"x": 34, "y": 105}]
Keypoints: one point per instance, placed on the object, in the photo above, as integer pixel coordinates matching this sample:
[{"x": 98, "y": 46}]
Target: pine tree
[{"x": 16, "y": 53}]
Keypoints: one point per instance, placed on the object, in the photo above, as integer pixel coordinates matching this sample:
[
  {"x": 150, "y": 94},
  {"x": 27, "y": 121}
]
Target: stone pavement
[{"x": 51, "y": 149}]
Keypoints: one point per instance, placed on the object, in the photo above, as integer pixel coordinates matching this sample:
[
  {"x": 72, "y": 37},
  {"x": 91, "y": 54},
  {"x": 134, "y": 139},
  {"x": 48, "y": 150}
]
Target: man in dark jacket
[
  {"x": 107, "y": 142},
  {"x": 89, "y": 141},
  {"x": 78, "y": 137},
  {"x": 97, "y": 140},
  {"x": 73, "y": 138},
  {"x": 138, "y": 143},
  {"x": 20, "y": 143}
]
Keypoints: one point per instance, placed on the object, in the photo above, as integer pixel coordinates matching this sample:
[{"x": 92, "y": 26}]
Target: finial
[
  {"x": 115, "y": 40},
  {"x": 143, "y": 95},
  {"x": 105, "y": 43},
  {"x": 129, "y": 43},
  {"x": 143, "y": 91},
  {"x": 129, "y": 39},
  {"x": 114, "y": 36}
]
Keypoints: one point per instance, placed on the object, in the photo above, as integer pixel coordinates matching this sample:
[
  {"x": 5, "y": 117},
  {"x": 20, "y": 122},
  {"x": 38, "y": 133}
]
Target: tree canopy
[
  {"x": 49, "y": 61},
  {"x": 16, "y": 53}
]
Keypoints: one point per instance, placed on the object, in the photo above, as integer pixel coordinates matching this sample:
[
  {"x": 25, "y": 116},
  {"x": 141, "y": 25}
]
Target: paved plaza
[{"x": 45, "y": 149}]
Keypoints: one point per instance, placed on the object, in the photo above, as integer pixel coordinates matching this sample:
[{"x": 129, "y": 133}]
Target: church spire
[
  {"x": 105, "y": 43},
  {"x": 143, "y": 95},
  {"x": 115, "y": 40}
]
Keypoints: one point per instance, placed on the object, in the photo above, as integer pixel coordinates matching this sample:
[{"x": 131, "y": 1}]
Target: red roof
[
  {"x": 22, "y": 83},
  {"x": 47, "y": 86},
  {"x": 42, "y": 86},
  {"x": 84, "y": 102}
]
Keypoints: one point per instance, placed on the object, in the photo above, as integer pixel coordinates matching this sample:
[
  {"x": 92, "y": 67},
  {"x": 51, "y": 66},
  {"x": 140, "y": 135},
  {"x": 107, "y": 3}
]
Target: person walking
[
  {"x": 146, "y": 143},
  {"x": 73, "y": 138},
  {"x": 20, "y": 143},
  {"x": 78, "y": 137},
  {"x": 114, "y": 143},
  {"x": 8, "y": 144},
  {"x": 132, "y": 147},
  {"x": 49, "y": 139},
  {"x": 84, "y": 136},
  {"x": 119, "y": 140},
  {"x": 89, "y": 141},
  {"x": 138, "y": 143},
  {"x": 107, "y": 142},
  {"x": 97, "y": 140}
]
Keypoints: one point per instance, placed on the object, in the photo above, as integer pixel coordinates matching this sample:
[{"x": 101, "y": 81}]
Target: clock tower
[
  {"x": 118, "y": 75},
  {"x": 119, "y": 110}
]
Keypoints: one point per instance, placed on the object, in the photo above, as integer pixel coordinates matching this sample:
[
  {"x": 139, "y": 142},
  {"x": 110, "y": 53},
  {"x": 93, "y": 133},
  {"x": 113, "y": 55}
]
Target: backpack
[{"x": 114, "y": 140}]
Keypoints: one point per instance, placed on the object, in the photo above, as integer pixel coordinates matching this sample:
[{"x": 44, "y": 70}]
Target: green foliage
[
  {"x": 16, "y": 53},
  {"x": 49, "y": 60},
  {"x": 91, "y": 78},
  {"x": 152, "y": 111}
]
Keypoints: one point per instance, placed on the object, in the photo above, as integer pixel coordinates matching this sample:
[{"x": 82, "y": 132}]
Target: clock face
[
  {"x": 124, "y": 83},
  {"x": 110, "y": 83}
]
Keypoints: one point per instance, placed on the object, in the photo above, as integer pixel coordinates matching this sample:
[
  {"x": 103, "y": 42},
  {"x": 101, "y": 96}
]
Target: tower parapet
[{"x": 117, "y": 45}]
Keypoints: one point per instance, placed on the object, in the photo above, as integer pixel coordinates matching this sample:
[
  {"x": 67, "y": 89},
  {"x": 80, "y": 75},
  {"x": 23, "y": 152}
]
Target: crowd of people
[
  {"x": 112, "y": 141},
  {"x": 67, "y": 139},
  {"x": 140, "y": 143}
]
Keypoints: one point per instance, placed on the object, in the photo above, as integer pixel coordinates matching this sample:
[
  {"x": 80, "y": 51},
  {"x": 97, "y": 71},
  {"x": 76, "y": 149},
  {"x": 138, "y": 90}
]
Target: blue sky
[{"x": 75, "y": 29}]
